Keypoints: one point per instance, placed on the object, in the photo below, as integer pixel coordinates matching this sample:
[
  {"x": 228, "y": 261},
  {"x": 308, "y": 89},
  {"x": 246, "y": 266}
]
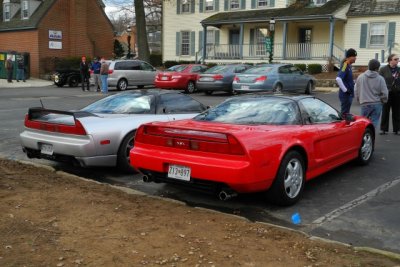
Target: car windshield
[
  {"x": 257, "y": 70},
  {"x": 122, "y": 104},
  {"x": 177, "y": 68},
  {"x": 254, "y": 110},
  {"x": 218, "y": 69}
]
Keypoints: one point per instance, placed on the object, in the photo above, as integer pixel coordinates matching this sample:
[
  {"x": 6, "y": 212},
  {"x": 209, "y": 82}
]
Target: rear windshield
[
  {"x": 123, "y": 104},
  {"x": 178, "y": 68},
  {"x": 258, "y": 70},
  {"x": 218, "y": 69}
]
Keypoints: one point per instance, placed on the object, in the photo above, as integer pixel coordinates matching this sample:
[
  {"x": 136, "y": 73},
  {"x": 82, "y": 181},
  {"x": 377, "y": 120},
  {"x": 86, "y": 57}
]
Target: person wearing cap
[
  {"x": 391, "y": 74},
  {"x": 85, "y": 75},
  {"x": 95, "y": 67},
  {"x": 371, "y": 92},
  {"x": 345, "y": 81}
]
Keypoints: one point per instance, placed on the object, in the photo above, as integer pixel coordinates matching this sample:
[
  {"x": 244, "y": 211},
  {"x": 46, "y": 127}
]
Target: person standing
[
  {"x": 345, "y": 81},
  {"x": 391, "y": 73},
  {"x": 85, "y": 75},
  {"x": 96, "y": 74},
  {"x": 104, "y": 76},
  {"x": 371, "y": 92},
  {"x": 20, "y": 69},
  {"x": 9, "y": 68}
]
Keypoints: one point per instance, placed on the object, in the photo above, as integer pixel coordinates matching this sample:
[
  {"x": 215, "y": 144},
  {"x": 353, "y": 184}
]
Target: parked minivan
[{"x": 124, "y": 73}]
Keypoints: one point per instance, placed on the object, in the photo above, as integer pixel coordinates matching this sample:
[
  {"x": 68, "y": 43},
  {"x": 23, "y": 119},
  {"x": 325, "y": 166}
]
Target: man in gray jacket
[{"x": 371, "y": 92}]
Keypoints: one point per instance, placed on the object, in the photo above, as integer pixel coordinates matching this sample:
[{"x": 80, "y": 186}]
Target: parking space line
[{"x": 352, "y": 204}]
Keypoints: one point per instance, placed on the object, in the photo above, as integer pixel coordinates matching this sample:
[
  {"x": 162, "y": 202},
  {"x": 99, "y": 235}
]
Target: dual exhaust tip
[{"x": 224, "y": 194}]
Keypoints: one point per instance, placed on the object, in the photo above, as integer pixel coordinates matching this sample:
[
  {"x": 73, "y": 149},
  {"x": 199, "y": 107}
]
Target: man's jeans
[
  {"x": 373, "y": 112},
  {"x": 345, "y": 103},
  {"x": 104, "y": 85}
]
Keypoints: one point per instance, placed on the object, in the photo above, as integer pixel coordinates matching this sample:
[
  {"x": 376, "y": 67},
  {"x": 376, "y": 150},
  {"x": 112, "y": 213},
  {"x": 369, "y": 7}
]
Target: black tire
[
  {"x": 59, "y": 84},
  {"x": 140, "y": 86},
  {"x": 122, "y": 85},
  {"x": 208, "y": 92},
  {"x": 123, "y": 161},
  {"x": 73, "y": 81},
  {"x": 289, "y": 182},
  {"x": 367, "y": 147},
  {"x": 278, "y": 88},
  {"x": 309, "y": 88},
  {"x": 190, "y": 88}
]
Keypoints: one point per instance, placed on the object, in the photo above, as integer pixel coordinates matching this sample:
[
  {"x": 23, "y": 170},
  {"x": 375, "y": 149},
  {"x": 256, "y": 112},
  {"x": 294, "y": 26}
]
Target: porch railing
[{"x": 293, "y": 51}]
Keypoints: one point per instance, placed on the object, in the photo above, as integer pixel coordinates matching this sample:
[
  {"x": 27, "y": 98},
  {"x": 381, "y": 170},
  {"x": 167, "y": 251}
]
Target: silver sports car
[{"x": 102, "y": 133}]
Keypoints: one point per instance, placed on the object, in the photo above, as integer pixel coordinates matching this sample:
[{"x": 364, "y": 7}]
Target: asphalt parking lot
[{"x": 351, "y": 204}]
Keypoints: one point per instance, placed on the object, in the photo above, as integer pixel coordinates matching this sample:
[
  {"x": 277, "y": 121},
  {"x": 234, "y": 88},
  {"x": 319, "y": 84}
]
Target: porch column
[
  {"x": 203, "y": 60},
  {"x": 331, "y": 36},
  {"x": 284, "y": 41},
  {"x": 241, "y": 34}
]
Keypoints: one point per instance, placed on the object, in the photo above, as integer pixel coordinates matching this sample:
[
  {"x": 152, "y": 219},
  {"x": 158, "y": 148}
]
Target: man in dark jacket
[
  {"x": 345, "y": 81},
  {"x": 9, "y": 68},
  {"x": 391, "y": 73},
  {"x": 85, "y": 75}
]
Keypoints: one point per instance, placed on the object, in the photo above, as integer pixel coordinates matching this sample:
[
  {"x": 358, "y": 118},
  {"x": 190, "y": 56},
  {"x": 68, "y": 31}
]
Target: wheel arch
[{"x": 300, "y": 150}]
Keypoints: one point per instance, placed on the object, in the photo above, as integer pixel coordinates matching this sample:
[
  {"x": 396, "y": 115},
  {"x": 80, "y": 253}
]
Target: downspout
[
  {"x": 241, "y": 40},
  {"x": 285, "y": 31},
  {"x": 331, "y": 36},
  {"x": 204, "y": 43}
]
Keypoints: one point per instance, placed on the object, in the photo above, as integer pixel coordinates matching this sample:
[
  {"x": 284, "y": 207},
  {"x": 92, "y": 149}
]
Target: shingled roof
[
  {"x": 297, "y": 11},
  {"x": 361, "y": 8}
]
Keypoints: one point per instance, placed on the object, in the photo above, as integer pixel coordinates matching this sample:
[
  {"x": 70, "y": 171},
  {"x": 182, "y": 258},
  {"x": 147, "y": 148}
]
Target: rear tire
[
  {"x": 123, "y": 160},
  {"x": 122, "y": 85},
  {"x": 278, "y": 88},
  {"x": 73, "y": 81},
  {"x": 190, "y": 88},
  {"x": 289, "y": 182},
  {"x": 309, "y": 88},
  {"x": 367, "y": 147}
]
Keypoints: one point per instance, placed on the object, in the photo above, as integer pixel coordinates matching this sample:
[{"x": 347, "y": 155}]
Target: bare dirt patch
[{"x": 52, "y": 219}]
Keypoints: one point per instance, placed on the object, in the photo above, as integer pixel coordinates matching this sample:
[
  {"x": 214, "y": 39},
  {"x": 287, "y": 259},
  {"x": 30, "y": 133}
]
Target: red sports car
[
  {"x": 180, "y": 77},
  {"x": 253, "y": 143}
]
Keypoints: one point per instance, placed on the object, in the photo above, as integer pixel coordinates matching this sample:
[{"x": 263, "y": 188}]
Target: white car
[{"x": 102, "y": 133}]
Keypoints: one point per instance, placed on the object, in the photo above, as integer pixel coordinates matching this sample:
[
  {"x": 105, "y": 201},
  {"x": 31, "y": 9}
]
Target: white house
[{"x": 301, "y": 31}]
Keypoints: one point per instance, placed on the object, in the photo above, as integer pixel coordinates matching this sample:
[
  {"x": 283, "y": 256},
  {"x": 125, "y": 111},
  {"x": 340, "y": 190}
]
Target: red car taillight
[
  {"x": 189, "y": 139},
  {"x": 110, "y": 71},
  {"x": 76, "y": 129},
  {"x": 236, "y": 79},
  {"x": 260, "y": 79},
  {"x": 218, "y": 77}
]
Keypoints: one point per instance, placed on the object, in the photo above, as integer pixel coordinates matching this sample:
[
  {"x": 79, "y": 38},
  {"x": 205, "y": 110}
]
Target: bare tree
[{"x": 141, "y": 33}]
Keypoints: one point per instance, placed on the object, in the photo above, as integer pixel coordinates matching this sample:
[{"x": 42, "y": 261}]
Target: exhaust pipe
[
  {"x": 226, "y": 194},
  {"x": 147, "y": 179}
]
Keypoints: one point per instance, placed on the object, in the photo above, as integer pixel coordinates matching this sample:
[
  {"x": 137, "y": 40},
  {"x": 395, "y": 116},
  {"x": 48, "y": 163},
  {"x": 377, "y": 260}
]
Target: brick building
[{"x": 49, "y": 29}]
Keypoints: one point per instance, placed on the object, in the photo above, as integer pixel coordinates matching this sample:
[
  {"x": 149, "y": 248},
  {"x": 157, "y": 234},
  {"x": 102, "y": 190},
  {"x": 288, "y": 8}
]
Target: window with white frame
[
  {"x": 25, "y": 9},
  {"x": 185, "y": 43},
  {"x": 7, "y": 15},
  {"x": 377, "y": 34},
  {"x": 234, "y": 4},
  {"x": 260, "y": 34},
  {"x": 210, "y": 37},
  {"x": 185, "y": 6},
  {"x": 262, "y": 3},
  {"x": 209, "y": 6}
]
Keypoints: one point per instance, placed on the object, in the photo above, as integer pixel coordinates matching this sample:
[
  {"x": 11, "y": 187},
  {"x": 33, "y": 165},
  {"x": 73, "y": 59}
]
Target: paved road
[{"x": 351, "y": 204}]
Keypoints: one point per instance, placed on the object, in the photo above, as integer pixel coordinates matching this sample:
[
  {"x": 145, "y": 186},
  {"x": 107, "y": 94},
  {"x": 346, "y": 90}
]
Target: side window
[
  {"x": 196, "y": 69},
  {"x": 179, "y": 103},
  {"x": 119, "y": 66},
  {"x": 134, "y": 65},
  {"x": 284, "y": 70},
  {"x": 145, "y": 66},
  {"x": 240, "y": 69},
  {"x": 317, "y": 111},
  {"x": 294, "y": 70}
]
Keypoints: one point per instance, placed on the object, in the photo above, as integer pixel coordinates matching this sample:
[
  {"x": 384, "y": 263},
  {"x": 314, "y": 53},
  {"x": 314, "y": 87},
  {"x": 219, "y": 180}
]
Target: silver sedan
[
  {"x": 102, "y": 133},
  {"x": 274, "y": 78}
]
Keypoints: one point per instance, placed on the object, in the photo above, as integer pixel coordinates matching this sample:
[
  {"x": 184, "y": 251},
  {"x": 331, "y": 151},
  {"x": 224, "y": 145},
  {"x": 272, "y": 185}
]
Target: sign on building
[
  {"x": 55, "y": 45},
  {"x": 55, "y": 34}
]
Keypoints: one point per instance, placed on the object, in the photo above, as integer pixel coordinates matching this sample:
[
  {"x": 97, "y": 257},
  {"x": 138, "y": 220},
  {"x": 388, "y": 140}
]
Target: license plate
[
  {"x": 179, "y": 172},
  {"x": 206, "y": 79},
  {"x": 164, "y": 78},
  {"x": 46, "y": 149},
  {"x": 245, "y": 87}
]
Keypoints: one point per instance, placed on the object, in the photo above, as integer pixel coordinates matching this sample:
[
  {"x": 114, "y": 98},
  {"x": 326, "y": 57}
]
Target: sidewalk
[{"x": 32, "y": 82}]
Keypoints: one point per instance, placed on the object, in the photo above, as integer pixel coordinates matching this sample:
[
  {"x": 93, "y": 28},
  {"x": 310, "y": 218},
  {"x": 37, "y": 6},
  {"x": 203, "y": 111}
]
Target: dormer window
[
  {"x": 7, "y": 12},
  {"x": 25, "y": 9}
]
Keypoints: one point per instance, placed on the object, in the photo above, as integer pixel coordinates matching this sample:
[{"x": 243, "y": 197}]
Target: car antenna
[{"x": 41, "y": 102}]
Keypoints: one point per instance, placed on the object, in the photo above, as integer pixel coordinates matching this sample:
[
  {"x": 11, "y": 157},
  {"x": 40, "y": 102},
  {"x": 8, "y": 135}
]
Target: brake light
[
  {"x": 236, "y": 79},
  {"x": 76, "y": 129},
  {"x": 218, "y": 77},
  {"x": 110, "y": 71},
  {"x": 189, "y": 139},
  {"x": 260, "y": 79}
]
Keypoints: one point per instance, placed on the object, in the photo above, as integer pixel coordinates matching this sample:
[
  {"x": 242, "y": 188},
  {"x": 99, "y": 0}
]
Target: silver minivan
[{"x": 124, "y": 73}]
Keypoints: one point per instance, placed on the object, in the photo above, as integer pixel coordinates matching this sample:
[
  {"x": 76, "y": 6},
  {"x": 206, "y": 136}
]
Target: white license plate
[
  {"x": 164, "y": 78},
  {"x": 179, "y": 172},
  {"x": 206, "y": 79},
  {"x": 244, "y": 87},
  {"x": 46, "y": 149}
]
